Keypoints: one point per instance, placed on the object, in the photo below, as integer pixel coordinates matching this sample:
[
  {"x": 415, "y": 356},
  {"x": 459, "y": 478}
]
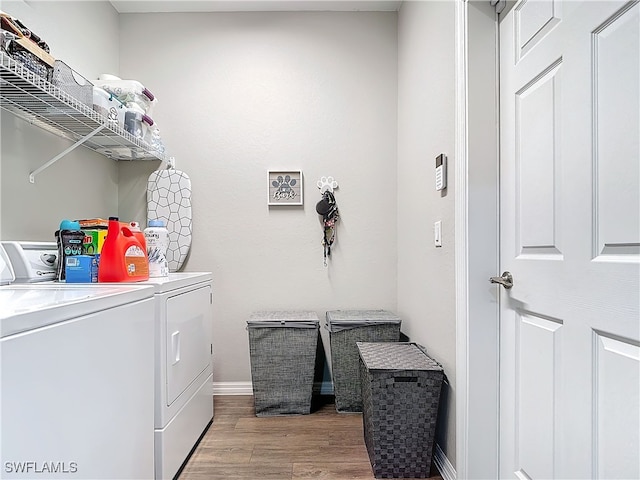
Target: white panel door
[{"x": 570, "y": 236}]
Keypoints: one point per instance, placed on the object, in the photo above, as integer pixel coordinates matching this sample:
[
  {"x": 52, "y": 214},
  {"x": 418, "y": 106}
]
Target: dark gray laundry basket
[
  {"x": 401, "y": 393},
  {"x": 346, "y": 327},
  {"x": 282, "y": 348}
]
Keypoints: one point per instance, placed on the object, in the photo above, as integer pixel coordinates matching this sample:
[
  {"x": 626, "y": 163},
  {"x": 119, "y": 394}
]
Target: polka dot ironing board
[{"x": 169, "y": 199}]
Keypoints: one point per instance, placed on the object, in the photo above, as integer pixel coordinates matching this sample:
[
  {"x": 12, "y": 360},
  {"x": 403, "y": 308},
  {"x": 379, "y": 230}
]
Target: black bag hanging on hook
[{"x": 328, "y": 208}]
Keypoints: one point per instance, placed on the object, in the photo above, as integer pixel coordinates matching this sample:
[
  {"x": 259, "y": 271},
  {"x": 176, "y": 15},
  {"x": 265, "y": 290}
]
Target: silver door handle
[{"x": 506, "y": 280}]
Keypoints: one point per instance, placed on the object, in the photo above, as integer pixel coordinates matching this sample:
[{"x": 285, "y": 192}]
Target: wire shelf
[{"x": 37, "y": 101}]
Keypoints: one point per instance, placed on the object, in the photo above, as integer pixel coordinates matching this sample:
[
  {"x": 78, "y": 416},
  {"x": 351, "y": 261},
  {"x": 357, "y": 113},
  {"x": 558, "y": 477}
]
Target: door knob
[{"x": 506, "y": 280}]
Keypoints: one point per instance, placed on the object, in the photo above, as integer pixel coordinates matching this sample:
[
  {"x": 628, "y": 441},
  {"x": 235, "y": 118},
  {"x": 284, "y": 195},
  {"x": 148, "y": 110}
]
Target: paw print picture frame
[{"x": 284, "y": 187}]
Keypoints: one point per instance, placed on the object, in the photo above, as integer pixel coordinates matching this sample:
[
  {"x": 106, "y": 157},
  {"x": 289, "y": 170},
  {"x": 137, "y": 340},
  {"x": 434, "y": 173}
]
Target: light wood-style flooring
[{"x": 241, "y": 446}]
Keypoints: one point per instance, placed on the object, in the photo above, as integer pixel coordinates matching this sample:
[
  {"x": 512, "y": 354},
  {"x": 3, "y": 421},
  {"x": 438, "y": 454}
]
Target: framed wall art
[{"x": 284, "y": 187}]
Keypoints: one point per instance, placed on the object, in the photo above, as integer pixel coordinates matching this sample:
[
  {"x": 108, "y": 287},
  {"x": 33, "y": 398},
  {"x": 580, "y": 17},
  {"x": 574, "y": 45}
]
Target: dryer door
[{"x": 188, "y": 348}]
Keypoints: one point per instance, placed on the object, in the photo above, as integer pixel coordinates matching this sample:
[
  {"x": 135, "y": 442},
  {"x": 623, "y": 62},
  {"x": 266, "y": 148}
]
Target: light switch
[{"x": 437, "y": 233}]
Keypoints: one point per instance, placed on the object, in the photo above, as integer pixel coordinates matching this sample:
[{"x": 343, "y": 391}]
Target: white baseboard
[
  {"x": 232, "y": 388},
  {"x": 443, "y": 464},
  {"x": 245, "y": 388}
]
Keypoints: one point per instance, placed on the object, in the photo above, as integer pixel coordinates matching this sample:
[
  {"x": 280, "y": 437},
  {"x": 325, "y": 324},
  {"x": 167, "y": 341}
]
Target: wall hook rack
[{"x": 327, "y": 184}]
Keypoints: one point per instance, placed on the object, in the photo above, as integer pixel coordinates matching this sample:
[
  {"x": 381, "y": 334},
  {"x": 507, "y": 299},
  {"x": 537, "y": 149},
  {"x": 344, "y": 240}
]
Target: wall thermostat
[{"x": 441, "y": 172}]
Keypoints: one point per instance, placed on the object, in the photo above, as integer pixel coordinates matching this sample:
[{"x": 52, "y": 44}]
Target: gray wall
[
  {"x": 82, "y": 184},
  {"x": 241, "y": 93},
  {"x": 426, "y": 128}
]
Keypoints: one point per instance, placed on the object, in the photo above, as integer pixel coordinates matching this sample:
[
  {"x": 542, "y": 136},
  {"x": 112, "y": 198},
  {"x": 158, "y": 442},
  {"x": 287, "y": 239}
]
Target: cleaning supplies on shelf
[
  {"x": 157, "y": 237},
  {"x": 153, "y": 139},
  {"x": 69, "y": 239},
  {"x": 93, "y": 223},
  {"x": 81, "y": 269},
  {"x": 50, "y": 110},
  {"x": 139, "y": 234},
  {"x": 93, "y": 241},
  {"x": 136, "y": 122},
  {"x": 122, "y": 258},
  {"x": 107, "y": 105},
  {"x": 128, "y": 91}
]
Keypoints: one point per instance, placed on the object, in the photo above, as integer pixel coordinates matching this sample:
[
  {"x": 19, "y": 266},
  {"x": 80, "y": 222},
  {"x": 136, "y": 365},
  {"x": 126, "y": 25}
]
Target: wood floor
[{"x": 241, "y": 446}]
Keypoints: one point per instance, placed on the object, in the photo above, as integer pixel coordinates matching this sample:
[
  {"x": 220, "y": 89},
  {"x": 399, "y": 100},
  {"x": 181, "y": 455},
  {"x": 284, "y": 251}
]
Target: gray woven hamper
[
  {"x": 282, "y": 349},
  {"x": 401, "y": 393},
  {"x": 346, "y": 327}
]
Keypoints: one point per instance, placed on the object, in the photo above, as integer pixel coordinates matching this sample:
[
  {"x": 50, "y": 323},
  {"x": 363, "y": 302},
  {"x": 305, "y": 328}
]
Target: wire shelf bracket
[{"x": 32, "y": 175}]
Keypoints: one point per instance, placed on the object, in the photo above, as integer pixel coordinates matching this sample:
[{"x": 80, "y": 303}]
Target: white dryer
[
  {"x": 184, "y": 372},
  {"x": 183, "y": 350}
]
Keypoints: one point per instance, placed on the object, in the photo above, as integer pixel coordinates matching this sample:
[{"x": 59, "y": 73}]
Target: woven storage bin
[
  {"x": 346, "y": 327},
  {"x": 282, "y": 349},
  {"x": 400, "y": 393}
]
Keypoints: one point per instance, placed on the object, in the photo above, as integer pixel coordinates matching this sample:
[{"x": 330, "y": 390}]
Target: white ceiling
[{"x": 150, "y": 6}]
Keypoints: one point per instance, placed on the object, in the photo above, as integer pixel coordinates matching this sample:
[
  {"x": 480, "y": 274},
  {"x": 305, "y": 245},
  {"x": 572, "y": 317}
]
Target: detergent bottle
[
  {"x": 139, "y": 234},
  {"x": 122, "y": 258}
]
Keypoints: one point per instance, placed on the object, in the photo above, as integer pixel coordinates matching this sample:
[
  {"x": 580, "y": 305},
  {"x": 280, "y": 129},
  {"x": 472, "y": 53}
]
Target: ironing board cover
[{"x": 169, "y": 199}]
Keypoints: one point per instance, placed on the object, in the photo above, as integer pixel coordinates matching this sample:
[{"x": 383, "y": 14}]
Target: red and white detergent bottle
[{"x": 123, "y": 259}]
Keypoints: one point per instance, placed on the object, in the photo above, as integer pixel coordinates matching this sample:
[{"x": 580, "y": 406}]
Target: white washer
[
  {"x": 183, "y": 350},
  {"x": 77, "y": 379}
]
